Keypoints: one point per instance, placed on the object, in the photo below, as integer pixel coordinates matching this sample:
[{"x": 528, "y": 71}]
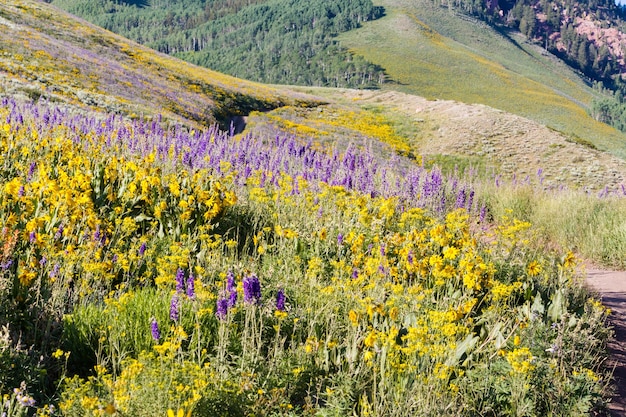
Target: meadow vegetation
[
  {"x": 152, "y": 268},
  {"x": 192, "y": 273}
]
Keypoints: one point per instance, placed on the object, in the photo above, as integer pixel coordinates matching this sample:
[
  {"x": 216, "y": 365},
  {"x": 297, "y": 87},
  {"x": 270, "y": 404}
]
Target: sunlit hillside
[
  {"x": 48, "y": 53},
  {"x": 446, "y": 55}
]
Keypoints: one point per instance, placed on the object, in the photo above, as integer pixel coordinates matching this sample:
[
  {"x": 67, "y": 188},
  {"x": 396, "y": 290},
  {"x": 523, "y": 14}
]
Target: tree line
[{"x": 555, "y": 30}]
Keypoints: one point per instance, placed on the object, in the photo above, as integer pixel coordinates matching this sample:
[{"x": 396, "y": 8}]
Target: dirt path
[{"x": 611, "y": 286}]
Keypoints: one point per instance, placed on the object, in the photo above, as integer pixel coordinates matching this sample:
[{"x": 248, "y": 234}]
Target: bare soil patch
[{"x": 611, "y": 286}]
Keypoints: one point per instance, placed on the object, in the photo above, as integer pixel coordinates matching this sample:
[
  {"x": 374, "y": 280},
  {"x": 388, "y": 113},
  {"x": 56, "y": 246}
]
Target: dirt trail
[{"x": 611, "y": 285}]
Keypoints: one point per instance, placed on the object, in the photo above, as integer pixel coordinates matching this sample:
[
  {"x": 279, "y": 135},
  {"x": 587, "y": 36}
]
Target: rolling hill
[
  {"x": 49, "y": 54},
  {"x": 446, "y": 55}
]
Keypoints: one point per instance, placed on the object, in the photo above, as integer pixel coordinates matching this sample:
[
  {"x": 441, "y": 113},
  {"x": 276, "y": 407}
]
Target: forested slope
[{"x": 275, "y": 41}]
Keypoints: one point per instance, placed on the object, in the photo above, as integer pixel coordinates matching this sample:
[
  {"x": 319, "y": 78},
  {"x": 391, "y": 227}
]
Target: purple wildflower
[
  {"x": 222, "y": 308},
  {"x": 20, "y": 192},
  {"x": 231, "y": 288},
  {"x": 55, "y": 271},
  {"x": 355, "y": 273},
  {"x": 604, "y": 192},
  {"x": 340, "y": 239},
  {"x": 470, "y": 200},
  {"x": 251, "y": 289},
  {"x": 409, "y": 258},
  {"x": 460, "y": 198},
  {"x": 31, "y": 171},
  {"x": 32, "y": 237},
  {"x": 174, "y": 313},
  {"x": 154, "y": 328},
  {"x": 230, "y": 282},
  {"x": 96, "y": 234},
  {"x": 180, "y": 280},
  {"x": 280, "y": 300},
  {"x": 59, "y": 232},
  {"x": 142, "y": 249},
  {"x": 22, "y": 396},
  {"x": 191, "y": 287},
  {"x": 483, "y": 214},
  {"x": 232, "y": 299}
]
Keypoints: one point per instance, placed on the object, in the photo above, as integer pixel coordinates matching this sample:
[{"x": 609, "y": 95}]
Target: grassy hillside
[
  {"x": 446, "y": 55},
  {"x": 47, "y": 53}
]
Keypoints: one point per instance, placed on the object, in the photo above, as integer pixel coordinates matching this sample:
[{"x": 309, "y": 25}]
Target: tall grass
[{"x": 591, "y": 223}]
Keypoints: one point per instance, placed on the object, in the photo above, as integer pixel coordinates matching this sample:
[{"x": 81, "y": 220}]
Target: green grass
[
  {"x": 593, "y": 227},
  {"x": 445, "y": 56}
]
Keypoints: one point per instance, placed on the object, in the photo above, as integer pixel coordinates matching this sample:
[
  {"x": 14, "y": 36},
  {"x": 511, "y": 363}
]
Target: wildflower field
[{"x": 152, "y": 270}]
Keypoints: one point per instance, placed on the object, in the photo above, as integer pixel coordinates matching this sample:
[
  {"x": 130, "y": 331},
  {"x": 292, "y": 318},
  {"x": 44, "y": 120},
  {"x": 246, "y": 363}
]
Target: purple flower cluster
[
  {"x": 251, "y": 290},
  {"x": 180, "y": 280},
  {"x": 353, "y": 168},
  {"x": 228, "y": 298},
  {"x": 231, "y": 289},
  {"x": 251, "y": 294},
  {"x": 280, "y": 300},
  {"x": 154, "y": 329},
  {"x": 22, "y": 397},
  {"x": 174, "y": 308},
  {"x": 188, "y": 286},
  {"x": 222, "y": 308}
]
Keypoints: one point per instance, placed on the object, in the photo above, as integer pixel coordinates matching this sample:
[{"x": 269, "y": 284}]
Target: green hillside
[
  {"x": 446, "y": 55},
  {"x": 271, "y": 41},
  {"x": 48, "y": 53}
]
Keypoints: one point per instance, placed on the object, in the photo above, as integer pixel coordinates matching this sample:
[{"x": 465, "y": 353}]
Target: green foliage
[
  {"x": 276, "y": 41},
  {"x": 594, "y": 227},
  {"x": 610, "y": 109}
]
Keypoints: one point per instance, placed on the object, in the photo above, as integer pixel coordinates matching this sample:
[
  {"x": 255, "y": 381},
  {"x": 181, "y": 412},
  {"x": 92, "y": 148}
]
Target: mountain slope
[
  {"x": 446, "y": 55},
  {"x": 273, "y": 41},
  {"x": 46, "y": 52}
]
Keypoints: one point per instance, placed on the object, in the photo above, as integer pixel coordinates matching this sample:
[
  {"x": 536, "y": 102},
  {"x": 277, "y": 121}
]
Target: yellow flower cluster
[{"x": 89, "y": 214}]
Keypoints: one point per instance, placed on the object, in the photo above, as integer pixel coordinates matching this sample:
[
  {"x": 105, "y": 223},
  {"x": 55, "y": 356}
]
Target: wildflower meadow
[{"x": 148, "y": 269}]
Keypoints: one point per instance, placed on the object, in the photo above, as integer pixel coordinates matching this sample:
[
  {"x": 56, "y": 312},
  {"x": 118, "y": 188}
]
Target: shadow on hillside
[
  {"x": 505, "y": 33},
  {"x": 137, "y": 3},
  {"x": 237, "y": 124}
]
